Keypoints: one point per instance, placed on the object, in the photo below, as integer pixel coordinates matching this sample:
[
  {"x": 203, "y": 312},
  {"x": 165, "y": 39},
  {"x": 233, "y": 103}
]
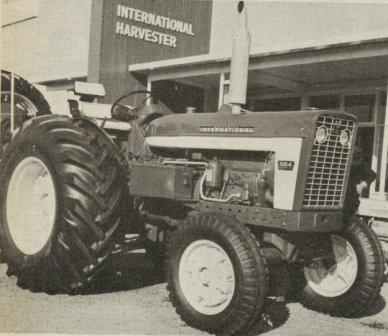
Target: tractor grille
[{"x": 328, "y": 166}]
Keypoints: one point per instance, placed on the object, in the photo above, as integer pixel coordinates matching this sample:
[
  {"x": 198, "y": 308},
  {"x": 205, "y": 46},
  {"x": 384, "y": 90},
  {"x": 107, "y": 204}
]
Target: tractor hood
[{"x": 298, "y": 124}]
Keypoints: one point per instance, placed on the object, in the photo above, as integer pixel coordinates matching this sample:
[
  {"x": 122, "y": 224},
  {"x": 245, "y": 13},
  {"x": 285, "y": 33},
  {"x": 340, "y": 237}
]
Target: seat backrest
[{"x": 89, "y": 91}]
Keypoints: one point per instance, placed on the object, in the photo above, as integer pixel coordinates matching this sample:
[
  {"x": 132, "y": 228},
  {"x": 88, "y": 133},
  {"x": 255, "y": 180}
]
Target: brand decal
[
  {"x": 227, "y": 129},
  {"x": 286, "y": 165},
  {"x": 152, "y": 20}
]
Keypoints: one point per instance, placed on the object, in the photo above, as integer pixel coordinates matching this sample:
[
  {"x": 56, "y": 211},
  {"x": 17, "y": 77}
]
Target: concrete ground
[{"x": 130, "y": 299}]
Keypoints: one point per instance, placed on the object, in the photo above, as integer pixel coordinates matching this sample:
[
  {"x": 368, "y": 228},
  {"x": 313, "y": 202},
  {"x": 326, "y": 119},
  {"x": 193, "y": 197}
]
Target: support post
[
  {"x": 149, "y": 88},
  {"x": 377, "y": 133},
  {"x": 221, "y": 90},
  {"x": 304, "y": 103},
  {"x": 342, "y": 106},
  {"x": 384, "y": 152}
]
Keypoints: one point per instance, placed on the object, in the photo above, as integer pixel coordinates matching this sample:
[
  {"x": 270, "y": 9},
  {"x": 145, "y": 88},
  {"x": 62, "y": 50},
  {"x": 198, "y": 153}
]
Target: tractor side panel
[{"x": 153, "y": 180}]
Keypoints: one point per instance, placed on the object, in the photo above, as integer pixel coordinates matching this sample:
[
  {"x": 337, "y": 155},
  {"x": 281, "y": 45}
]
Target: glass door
[
  {"x": 365, "y": 107},
  {"x": 370, "y": 109}
]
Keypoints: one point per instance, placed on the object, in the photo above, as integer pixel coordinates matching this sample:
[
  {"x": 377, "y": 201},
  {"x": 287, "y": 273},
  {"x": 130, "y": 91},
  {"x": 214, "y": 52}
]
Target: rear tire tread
[{"x": 82, "y": 241}]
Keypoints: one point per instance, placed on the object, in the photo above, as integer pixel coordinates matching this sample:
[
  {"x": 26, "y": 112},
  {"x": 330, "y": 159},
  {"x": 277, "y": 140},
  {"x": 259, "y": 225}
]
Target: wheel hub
[
  {"x": 206, "y": 277},
  {"x": 334, "y": 280},
  {"x": 31, "y": 205}
]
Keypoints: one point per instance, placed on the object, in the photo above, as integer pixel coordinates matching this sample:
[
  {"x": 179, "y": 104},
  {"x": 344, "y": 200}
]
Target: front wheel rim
[
  {"x": 31, "y": 205},
  {"x": 340, "y": 277},
  {"x": 206, "y": 277}
]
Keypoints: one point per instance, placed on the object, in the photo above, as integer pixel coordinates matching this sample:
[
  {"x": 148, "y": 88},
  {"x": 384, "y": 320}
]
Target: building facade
[{"x": 303, "y": 55}]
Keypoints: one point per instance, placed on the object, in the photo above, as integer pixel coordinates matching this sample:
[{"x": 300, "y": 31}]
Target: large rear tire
[
  {"x": 29, "y": 103},
  {"x": 216, "y": 274},
  {"x": 61, "y": 192},
  {"x": 350, "y": 285}
]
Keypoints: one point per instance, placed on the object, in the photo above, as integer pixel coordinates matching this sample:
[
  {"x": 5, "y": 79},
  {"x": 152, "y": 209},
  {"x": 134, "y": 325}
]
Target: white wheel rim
[
  {"x": 31, "y": 205},
  {"x": 338, "y": 279},
  {"x": 206, "y": 277}
]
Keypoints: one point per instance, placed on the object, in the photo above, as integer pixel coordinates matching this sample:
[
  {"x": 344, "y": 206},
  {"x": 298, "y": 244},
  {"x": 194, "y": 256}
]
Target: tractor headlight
[
  {"x": 321, "y": 134},
  {"x": 344, "y": 137}
]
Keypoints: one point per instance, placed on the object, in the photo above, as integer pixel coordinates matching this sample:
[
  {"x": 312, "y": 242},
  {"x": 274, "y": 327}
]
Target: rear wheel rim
[
  {"x": 206, "y": 277},
  {"x": 340, "y": 277},
  {"x": 31, "y": 205},
  {"x": 22, "y": 104},
  {"x": 24, "y": 109}
]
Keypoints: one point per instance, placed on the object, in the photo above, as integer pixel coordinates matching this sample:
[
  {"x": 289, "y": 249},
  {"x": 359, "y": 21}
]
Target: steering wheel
[{"x": 128, "y": 111}]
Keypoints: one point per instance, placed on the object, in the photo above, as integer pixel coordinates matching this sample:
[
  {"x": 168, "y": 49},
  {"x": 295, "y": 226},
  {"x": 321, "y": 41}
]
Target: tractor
[{"x": 227, "y": 200}]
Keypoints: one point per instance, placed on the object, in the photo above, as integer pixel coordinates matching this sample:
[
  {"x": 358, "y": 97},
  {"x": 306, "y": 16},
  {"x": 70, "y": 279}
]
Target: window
[
  {"x": 328, "y": 102},
  {"x": 365, "y": 136},
  {"x": 361, "y": 106},
  {"x": 278, "y": 104}
]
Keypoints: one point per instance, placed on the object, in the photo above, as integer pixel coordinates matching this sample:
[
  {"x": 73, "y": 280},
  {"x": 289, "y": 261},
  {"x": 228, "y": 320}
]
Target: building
[{"x": 303, "y": 55}]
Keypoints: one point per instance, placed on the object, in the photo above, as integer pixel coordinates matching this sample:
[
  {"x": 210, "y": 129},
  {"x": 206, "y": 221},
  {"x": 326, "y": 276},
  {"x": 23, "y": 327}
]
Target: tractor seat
[{"x": 100, "y": 113}]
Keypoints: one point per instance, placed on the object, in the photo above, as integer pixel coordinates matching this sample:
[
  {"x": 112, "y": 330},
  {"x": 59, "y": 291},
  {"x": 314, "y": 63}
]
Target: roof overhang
[
  {"x": 358, "y": 60},
  {"x": 263, "y": 51}
]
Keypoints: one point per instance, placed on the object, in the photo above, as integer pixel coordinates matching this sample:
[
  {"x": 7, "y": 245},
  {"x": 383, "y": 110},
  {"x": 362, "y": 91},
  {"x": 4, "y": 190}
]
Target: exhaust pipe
[{"x": 240, "y": 60}]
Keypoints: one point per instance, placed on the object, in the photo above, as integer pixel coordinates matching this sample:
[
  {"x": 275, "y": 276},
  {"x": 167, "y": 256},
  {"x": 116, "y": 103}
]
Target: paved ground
[{"x": 131, "y": 300}]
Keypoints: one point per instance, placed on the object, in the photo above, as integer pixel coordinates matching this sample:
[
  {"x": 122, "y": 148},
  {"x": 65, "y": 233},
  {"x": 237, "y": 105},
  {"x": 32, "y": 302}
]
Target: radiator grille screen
[{"x": 328, "y": 165}]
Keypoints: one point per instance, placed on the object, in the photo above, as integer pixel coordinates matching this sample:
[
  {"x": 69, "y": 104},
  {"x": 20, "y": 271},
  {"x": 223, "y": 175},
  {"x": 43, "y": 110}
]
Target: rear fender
[{"x": 92, "y": 123}]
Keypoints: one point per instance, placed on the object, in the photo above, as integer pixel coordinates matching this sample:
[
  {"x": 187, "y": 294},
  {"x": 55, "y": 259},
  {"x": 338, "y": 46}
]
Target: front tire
[
  {"x": 351, "y": 285},
  {"x": 216, "y": 274},
  {"x": 61, "y": 192}
]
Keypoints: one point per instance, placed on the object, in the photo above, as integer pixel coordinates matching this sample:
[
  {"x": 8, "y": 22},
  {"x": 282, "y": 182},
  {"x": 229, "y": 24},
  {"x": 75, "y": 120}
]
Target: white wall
[{"x": 52, "y": 46}]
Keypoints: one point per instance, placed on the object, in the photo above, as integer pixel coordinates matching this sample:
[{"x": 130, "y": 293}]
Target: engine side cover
[
  {"x": 295, "y": 124},
  {"x": 289, "y": 135}
]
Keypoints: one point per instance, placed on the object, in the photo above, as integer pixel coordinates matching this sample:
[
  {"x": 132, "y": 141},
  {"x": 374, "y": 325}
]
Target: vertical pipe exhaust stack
[{"x": 240, "y": 60}]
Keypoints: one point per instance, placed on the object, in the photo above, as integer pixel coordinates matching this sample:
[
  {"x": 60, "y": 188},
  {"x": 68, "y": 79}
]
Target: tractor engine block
[
  {"x": 241, "y": 182},
  {"x": 223, "y": 178}
]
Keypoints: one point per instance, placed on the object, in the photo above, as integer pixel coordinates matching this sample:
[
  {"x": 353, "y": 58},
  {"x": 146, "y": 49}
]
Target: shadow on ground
[
  {"x": 128, "y": 269},
  {"x": 275, "y": 315},
  {"x": 377, "y": 307}
]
